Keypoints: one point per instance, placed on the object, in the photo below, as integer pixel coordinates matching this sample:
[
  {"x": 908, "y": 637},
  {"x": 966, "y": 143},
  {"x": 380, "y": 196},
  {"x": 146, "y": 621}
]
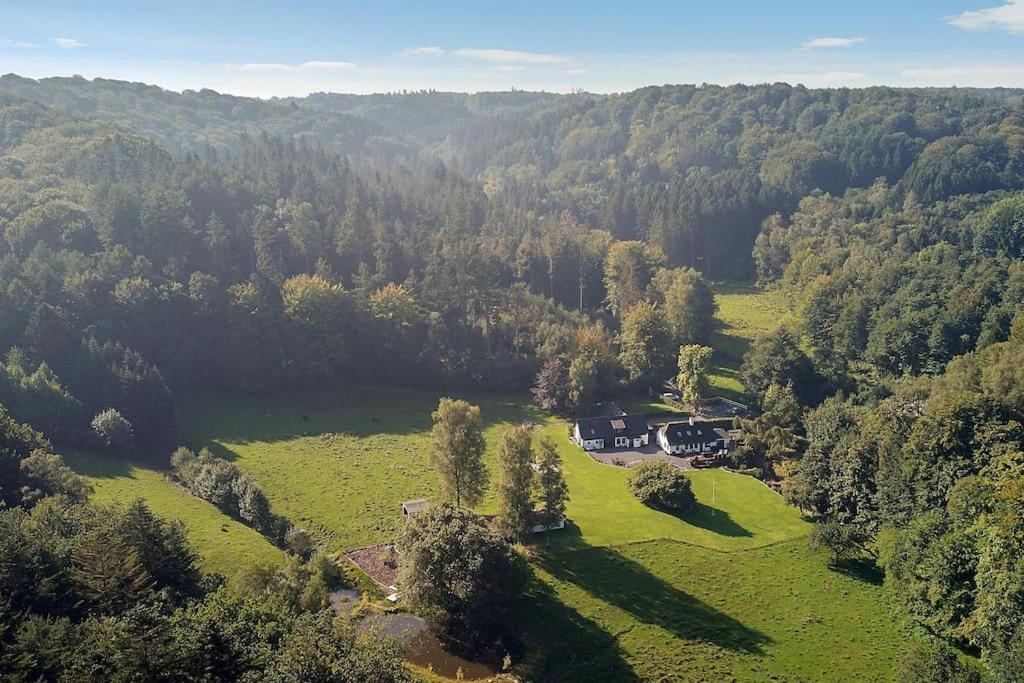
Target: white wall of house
[
  {"x": 687, "y": 449},
  {"x": 586, "y": 444}
]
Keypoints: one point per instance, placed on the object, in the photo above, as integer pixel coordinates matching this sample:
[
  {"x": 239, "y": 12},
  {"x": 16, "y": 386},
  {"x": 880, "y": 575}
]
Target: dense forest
[{"x": 156, "y": 243}]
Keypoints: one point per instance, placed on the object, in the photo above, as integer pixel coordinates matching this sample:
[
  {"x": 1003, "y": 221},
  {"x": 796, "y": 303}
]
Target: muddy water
[{"x": 424, "y": 649}]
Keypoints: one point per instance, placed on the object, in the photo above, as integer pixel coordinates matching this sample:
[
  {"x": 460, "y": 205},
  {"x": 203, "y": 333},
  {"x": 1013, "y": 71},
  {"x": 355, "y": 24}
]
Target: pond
[{"x": 424, "y": 648}]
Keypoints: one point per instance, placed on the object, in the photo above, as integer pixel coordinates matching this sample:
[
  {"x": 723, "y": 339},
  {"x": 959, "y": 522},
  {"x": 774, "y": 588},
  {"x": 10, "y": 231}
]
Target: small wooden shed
[{"x": 411, "y": 508}]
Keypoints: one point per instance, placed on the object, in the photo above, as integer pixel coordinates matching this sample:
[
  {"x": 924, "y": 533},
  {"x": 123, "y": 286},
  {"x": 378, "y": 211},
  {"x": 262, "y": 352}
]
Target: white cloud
[
  {"x": 1008, "y": 17},
  {"x": 814, "y": 43},
  {"x": 327, "y": 66},
  {"x": 430, "y": 51},
  {"x": 510, "y": 67},
  {"x": 15, "y": 43},
  {"x": 509, "y": 56},
  {"x": 575, "y": 72},
  {"x": 68, "y": 43},
  {"x": 305, "y": 66}
]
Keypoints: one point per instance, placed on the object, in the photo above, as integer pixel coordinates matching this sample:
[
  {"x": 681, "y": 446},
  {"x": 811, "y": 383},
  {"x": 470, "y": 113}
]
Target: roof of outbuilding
[
  {"x": 414, "y": 506},
  {"x": 608, "y": 428}
]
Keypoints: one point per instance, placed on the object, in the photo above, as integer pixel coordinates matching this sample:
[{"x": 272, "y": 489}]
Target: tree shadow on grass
[
  {"x": 97, "y": 465},
  {"x": 862, "y": 569},
  {"x": 714, "y": 520},
  {"x": 560, "y": 644},
  {"x": 609, "y": 576},
  {"x": 357, "y": 411}
]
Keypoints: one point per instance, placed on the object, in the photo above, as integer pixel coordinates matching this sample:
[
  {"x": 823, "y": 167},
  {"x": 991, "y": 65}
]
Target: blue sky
[{"x": 265, "y": 49}]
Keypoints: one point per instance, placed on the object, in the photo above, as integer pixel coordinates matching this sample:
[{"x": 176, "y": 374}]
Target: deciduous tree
[
  {"x": 457, "y": 572},
  {"x": 692, "y": 379},
  {"x": 553, "y": 490},
  {"x": 458, "y": 450},
  {"x": 515, "y": 477}
]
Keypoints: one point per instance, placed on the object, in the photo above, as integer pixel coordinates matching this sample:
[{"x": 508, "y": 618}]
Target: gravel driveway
[{"x": 614, "y": 456}]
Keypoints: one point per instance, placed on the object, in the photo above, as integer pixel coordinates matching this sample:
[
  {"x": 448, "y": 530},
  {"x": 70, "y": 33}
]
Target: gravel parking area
[{"x": 616, "y": 456}]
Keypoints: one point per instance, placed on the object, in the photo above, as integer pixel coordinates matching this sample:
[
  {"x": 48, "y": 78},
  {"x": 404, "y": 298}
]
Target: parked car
[
  {"x": 702, "y": 461},
  {"x": 670, "y": 396}
]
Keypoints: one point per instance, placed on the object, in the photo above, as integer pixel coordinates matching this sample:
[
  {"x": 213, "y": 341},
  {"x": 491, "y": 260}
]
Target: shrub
[
  {"x": 937, "y": 663},
  {"x": 113, "y": 430},
  {"x": 844, "y": 541},
  {"x": 253, "y": 506},
  {"x": 300, "y": 542},
  {"x": 660, "y": 485}
]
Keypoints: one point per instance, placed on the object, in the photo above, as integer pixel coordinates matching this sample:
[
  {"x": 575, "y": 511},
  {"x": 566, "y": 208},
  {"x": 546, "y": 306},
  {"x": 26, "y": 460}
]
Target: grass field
[
  {"x": 339, "y": 465},
  {"x": 744, "y": 312},
  {"x": 342, "y": 465},
  {"x": 669, "y": 611},
  {"x": 733, "y": 511},
  {"x": 224, "y": 545},
  {"x": 727, "y": 591}
]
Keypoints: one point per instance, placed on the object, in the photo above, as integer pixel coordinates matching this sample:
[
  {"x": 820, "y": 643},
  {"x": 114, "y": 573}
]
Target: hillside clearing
[
  {"x": 338, "y": 464},
  {"x": 665, "y": 610},
  {"x": 745, "y": 311}
]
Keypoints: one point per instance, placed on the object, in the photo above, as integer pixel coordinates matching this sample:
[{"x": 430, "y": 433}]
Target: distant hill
[
  {"x": 694, "y": 170},
  {"x": 196, "y": 120}
]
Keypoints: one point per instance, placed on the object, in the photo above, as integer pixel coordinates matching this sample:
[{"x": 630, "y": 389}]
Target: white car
[{"x": 670, "y": 395}]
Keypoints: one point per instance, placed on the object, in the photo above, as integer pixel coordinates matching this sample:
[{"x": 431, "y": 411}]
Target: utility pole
[{"x": 581, "y": 270}]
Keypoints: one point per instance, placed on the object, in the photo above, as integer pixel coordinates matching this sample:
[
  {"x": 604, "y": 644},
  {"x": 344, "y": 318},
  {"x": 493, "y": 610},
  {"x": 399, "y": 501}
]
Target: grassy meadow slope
[
  {"x": 224, "y": 545},
  {"x": 744, "y": 312},
  {"x": 664, "y": 610},
  {"x": 338, "y": 464},
  {"x": 733, "y": 511}
]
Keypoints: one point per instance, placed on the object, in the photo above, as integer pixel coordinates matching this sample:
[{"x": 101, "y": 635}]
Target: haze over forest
[{"x": 597, "y": 381}]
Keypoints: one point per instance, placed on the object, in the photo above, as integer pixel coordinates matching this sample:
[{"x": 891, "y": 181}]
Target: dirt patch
[{"x": 379, "y": 562}]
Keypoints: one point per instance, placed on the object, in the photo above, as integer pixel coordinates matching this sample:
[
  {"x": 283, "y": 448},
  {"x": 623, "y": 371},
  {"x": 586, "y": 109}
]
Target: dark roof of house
[
  {"x": 610, "y": 427},
  {"x": 725, "y": 423},
  {"x": 683, "y": 433}
]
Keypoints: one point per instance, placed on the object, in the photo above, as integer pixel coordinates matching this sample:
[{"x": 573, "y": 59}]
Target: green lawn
[
  {"x": 665, "y": 610},
  {"x": 733, "y": 511},
  {"x": 224, "y": 545},
  {"x": 744, "y": 312}
]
